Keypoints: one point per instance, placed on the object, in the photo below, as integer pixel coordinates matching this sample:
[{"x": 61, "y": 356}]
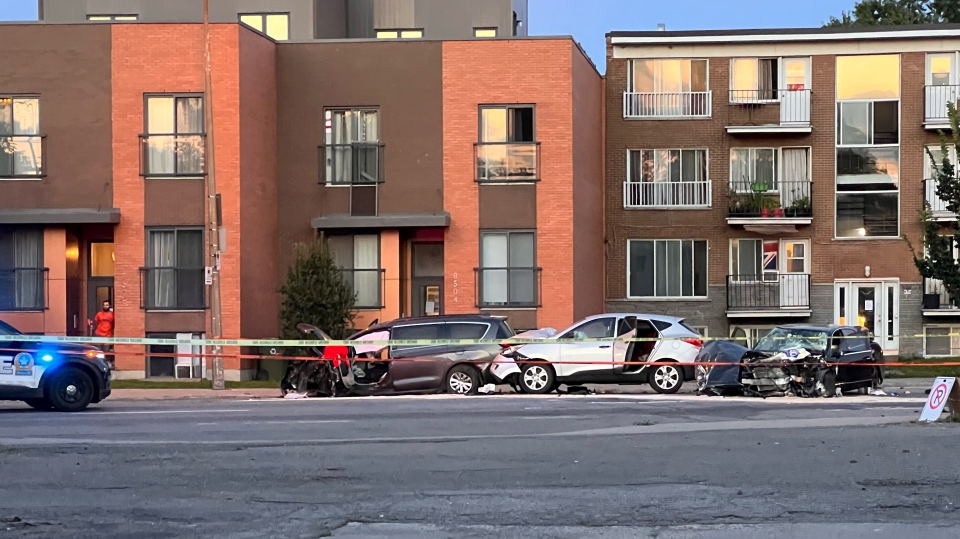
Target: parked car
[
  {"x": 373, "y": 369},
  {"x": 801, "y": 360},
  {"x": 59, "y": 376},
  {"x": 606, "y": 358}
]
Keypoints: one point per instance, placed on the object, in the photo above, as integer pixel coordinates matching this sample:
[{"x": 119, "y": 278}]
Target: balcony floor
[{"x": 769, "y": 128}]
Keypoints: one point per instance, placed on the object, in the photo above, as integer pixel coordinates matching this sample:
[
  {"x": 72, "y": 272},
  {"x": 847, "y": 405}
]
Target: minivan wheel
[
  {"x": 537, "y": 379},
  {"x": 463, "y": 380},
  {"x": 666, "y": 378}
]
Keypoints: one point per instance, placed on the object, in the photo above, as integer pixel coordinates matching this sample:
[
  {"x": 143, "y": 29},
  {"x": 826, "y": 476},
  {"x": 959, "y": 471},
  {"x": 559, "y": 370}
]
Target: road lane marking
[{"x": 198, "y": 411}]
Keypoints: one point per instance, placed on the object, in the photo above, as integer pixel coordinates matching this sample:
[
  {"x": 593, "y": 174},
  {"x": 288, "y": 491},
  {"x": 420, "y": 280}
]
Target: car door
[
  {"x": 856, "y": 357},
  {"x": 419, "y": 367},
  {"x": 18, "y": 364},
  {"x": 590, "y": 359}
]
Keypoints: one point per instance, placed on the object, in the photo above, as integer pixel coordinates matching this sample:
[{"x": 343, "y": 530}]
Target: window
[
  {"x": 754, "y": 260},
  {"x": 418, "y": 332},
  {"x": 748, "y": 336},
  {"x": 400, "y": 34},
  {"x": 667, "y": 76},
  {"x": 600, "y": 328},
  {"x": 275, "y": 25},
  {"x": 755, "y": 79},
  {"x": 508, "y": 272},
  {"x": 484, "y": 32},
  {"x": 753, "y": 169},
  {"x": 21, "y": 148},
  {"x": 933, "y": 166},
  {"x": 359, "y": 258},
  {"x": 868, "y": 146},
  {"x": 352, "y": 151},
  {"x": 117, "y": 18},
  {"x": 507, "y": 150},
  {"x": 464, "y": 330},
  {"x": 666, "y": 268},
  {"x": 22, "y": 275},
  {"x": 174, "y": 275},
  {"x": 667, "y": 165},
  {"x": 941, "y": 341},
  {"x": 174, "y": 142}
]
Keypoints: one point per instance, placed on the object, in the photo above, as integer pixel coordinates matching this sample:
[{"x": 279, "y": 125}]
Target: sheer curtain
[
  {"x": 740, "y": 170},
  {"x": 163, "y": 259},
  {"x": 29, "y": 282},
  {"x": 190, "y": 148},
  {"x": 795, "y": 175},
  {"x": 27, "y": 150},
  {"x": 366, "y": 260},
  {"x": 161, "y": 145},
  {"x": 494, "y": 281}
]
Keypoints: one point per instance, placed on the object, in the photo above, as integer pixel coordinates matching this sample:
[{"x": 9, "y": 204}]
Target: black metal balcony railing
[
  {"x": 792, "y": 106},
  {"x": 24, "y": 289},
  {"x": 172, "y": 289},
  {"x": 936, "y": 297},
  {"x": 172, "y": 155},
  {"x": 935, "y": 103},
  {"x": 507, "y": 161},
  {"x": 21, "y": 156},
  {"x": 770, "y": 291},
  {"x": 508, "y": 287},
  {"x": 367, "y": 286},
  {"x": 358, "y": 163},
  {"x": 776, "y": 199}
]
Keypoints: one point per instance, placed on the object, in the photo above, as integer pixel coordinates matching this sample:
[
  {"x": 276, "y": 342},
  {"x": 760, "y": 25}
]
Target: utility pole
[{"x": 213, "y": 210}]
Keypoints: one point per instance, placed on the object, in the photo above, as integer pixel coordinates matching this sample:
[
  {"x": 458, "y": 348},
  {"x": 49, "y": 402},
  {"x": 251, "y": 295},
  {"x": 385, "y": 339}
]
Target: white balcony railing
[
  {"x": 938, "y": 206},
  {"x": 667, "y": 194},
  {"x": 935, "y": 103},
  {"x": 655, "y": 105},
  {"x": 794, "y": 106}
]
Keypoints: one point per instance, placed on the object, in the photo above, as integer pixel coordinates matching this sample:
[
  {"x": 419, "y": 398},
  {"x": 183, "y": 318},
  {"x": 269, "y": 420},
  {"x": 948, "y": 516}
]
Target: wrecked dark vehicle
[
  {"x": 367, "y": 367},
  {"x": 802, "y": 361}
]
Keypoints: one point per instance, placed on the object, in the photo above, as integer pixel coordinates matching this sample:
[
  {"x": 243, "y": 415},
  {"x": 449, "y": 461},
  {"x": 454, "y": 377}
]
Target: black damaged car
[{"x": 795, "y": 360}]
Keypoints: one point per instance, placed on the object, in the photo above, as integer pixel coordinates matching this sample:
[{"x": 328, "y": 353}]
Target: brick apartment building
[
  {"x": 440, "y": 185},
  {"x": 762, "y": 177}
]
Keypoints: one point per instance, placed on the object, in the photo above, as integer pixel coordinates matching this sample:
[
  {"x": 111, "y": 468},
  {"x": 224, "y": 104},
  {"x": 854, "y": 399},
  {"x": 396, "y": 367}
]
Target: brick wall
[{"x": 473, "y": 74}]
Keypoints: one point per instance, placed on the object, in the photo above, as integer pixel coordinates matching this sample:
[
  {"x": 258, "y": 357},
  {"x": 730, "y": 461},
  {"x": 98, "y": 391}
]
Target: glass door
[
  {"x": 795, "y": 277},
  {"x": 941, "y": 84},
  {"x": 100, "y": 283},
  {"x": 427, "y": 279},
  {"x": 874, "y": 306},
  {"x": 795, "y": 99}
]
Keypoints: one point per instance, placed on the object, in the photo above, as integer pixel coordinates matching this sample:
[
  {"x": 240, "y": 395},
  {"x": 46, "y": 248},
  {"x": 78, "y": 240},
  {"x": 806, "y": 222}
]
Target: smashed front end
[{"x": 726, "y": 368}]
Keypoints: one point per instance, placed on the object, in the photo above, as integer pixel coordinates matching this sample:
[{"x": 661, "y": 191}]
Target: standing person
[{"x": 104, "y": 322}]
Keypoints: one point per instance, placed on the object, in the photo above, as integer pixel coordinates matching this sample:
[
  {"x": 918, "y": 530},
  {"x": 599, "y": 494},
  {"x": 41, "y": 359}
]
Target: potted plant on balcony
[
  {"x": 767, "y": 206},
  {"x": 800, "y": 207},
  {"x": 777, "y": 210}
]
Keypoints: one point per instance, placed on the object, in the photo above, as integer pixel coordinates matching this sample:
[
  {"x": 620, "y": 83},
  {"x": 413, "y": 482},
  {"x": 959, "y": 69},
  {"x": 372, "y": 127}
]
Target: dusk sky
[{"x": 588, "y": 20}]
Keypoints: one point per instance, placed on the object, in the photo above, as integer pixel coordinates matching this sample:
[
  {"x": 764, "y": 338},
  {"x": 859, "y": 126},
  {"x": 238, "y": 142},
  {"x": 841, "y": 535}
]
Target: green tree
[
  {"x": 939, "y": 241},
  {"x": 316, "y": 293},
  {"x": 898, "y": 12}
]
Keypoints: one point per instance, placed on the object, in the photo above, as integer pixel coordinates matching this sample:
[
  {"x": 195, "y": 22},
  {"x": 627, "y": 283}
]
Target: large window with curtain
[
  {"x": 508, "y": 276},
  {"x": 21, "y": 146},
  {"x": 22, "y": 275},
  {"x": 358, "y": 256},
  {"x": 352, "y": 147},
  {"x": 175, "y": 269},
  {"x": 173, "y": 145},
  {"x": 666, "y": 268}
]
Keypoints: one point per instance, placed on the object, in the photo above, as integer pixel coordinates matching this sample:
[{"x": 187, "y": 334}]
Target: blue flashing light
[{"x": 46, "y": 357}]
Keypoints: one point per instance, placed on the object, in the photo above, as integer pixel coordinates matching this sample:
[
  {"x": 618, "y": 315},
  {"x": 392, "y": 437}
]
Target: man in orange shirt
[{"x": 104, "y": 328}]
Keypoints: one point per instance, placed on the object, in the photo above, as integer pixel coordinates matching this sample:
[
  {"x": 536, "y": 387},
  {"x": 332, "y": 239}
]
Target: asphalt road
[{"x": 496, "y": 466}]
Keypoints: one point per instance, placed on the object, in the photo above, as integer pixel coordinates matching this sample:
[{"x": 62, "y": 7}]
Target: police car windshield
[
  {"x": 7, "y": 329},
  {"x": 782, "y": 338}
]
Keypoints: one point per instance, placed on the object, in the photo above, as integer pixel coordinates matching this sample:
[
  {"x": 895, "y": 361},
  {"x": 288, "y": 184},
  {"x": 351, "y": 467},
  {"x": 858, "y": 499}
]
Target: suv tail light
[{"x": 694, "y": 342}]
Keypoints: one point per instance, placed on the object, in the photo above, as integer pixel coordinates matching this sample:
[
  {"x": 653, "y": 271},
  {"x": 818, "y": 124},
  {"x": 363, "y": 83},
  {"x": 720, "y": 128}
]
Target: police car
[{"x": 51, "y": 376}]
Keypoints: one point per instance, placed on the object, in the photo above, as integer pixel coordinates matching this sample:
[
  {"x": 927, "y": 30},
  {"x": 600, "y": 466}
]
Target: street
[{"x": 495, "y": 466}]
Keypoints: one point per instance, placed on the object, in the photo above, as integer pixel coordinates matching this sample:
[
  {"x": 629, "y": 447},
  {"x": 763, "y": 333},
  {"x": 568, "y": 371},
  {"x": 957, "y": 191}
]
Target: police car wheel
[
  {"x": 39, "y": 404},
  {"x": 70, "y": 391}
]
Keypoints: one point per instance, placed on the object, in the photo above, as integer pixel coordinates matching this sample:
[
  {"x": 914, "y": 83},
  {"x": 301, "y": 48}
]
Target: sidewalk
[{"x": 183, "y": 394}]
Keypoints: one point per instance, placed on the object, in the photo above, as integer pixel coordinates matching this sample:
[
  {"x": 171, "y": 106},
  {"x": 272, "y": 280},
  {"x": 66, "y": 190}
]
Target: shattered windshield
[{"x": 783, "y": 338}]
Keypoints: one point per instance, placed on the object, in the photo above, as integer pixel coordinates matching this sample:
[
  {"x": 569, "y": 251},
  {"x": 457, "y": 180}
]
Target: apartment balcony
[
  {"x": 937, "y": 301},
  {"x": 507, "y": 162},
  {"x": 769, "y": 111},
  {"x": 21, "y": 157},
  {"x": 667, "y": 195},
  {"x": 936, "y": 99},
  {"x": 24, "y": 289},
  {"x": 784, "y": 295},
  {"x": 667, "y": 106},
  {"x": 771, "y": 208},
  {"x": 938, "y": 206},
  {"x": 172, "y": 289},
  {"x": 367, "y": 287},
  {"x": 357, "y": 167},
  {"x": 172, "y": 155},
  {"x": 508, "y": 288}
]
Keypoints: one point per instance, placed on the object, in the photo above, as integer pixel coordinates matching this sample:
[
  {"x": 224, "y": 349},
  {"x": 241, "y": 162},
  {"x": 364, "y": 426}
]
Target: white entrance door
[
  {"x": 795, "y": 97},
  {"x": 795, "y": 274},
  {"x": 874, "y": 306},
  {"x": 941, "y": 84}
]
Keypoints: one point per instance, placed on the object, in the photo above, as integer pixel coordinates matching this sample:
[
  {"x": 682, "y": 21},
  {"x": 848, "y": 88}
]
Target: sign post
[{"x": 945, "y": 391}]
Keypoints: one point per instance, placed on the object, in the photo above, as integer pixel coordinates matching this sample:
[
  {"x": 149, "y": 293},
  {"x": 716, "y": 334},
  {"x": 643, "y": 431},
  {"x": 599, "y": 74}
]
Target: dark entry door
[
  {"x": 100, "y": 277},
  {"x": 427, "y": 279}
]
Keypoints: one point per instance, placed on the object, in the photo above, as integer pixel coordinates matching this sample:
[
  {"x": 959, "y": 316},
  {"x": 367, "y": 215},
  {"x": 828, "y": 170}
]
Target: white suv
[{"x": 607, "y": 357}]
